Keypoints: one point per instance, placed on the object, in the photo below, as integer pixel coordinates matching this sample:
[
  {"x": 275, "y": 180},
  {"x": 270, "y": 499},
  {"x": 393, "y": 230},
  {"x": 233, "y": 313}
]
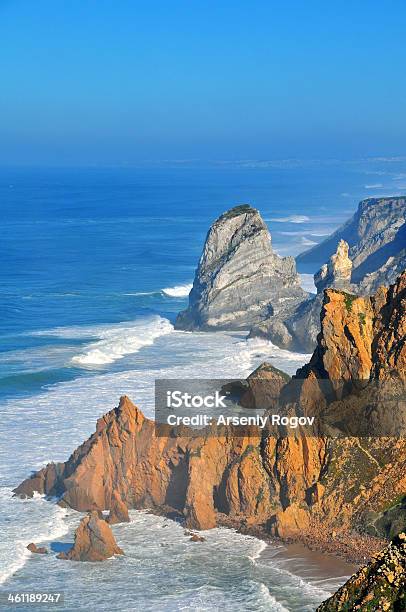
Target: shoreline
[{"x": 351, "y": 547}]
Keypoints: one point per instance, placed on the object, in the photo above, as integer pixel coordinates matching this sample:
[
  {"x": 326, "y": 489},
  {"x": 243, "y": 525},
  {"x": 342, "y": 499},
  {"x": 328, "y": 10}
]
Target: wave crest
[
  {"x": 119, "y": 340},
  {"x": 178, "y": 290}
]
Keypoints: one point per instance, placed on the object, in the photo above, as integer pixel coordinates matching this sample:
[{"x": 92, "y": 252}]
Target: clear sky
[{"x": 122, "y": 81}]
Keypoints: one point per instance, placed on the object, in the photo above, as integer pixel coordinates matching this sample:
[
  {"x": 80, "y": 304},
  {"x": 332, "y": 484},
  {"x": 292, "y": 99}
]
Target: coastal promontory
[{"x": 240, "y": 280}]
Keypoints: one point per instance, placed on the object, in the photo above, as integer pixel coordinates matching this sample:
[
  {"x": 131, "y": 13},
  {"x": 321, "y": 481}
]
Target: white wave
[
  {"x": 65, "y": 413},
  {"x": 117, "y": 341},
  {"x": 374, "y": 186},
  {"x": 178, "y": 290},
  {"x": 270, "y": 600},
  {"x": 307, "y": 242},
  {"x": 257, "y": 350},
  {"x": 35, "y": 520},
  {"x": 307, "y": 282},
  {"x": 291, "y": 219},
  {"x": 257, "y": 553}
]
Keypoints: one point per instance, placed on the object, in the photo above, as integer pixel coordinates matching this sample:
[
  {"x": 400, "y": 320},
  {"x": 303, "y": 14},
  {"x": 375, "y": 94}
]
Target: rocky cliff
[
  {"x": 305, "y": 487},
  {"x": 240, "y": 280},
  {"x": 380, "y": 585},
  {"x": 299, "y": 330},
  {"x": 376, "y": 235},
  {"x": 337, "y": 272}
]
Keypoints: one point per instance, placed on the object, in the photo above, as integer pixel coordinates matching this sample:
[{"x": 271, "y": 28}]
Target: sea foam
[
  {"x": 178, "y": 290},
  {"x": 116, "y": 341}
]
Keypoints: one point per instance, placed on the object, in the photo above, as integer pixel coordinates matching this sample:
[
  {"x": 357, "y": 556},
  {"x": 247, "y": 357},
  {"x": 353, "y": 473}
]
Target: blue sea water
[{"x": 95, "y": 264}]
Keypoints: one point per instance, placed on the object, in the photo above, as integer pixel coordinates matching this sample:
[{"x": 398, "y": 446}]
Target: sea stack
[
  {"x": 337, "y": 272},
  {"x": 94, "y": 541},
  {"x": 240, "y": 280}
]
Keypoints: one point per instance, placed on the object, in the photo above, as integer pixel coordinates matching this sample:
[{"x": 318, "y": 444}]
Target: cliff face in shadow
[{"x": 294, "y": 486}]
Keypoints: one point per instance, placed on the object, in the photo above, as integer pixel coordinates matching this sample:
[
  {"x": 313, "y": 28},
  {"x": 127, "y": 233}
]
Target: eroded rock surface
[
  {"x": 380, "y": 585},
  {"x": 240, "y": 280},
  {"x": 118, "y": 510},
  {"x": 337, "y": 272},
  {"x": 94, "y": 541},
  {"x": 376, "y": 235},
  {"x": 297, "y": 486}
]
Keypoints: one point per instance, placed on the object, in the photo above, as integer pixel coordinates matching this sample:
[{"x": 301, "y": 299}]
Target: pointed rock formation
[
  {"x": 337, "y": 273},
  {"x": 376, "y": 235},
  {"x": 298, "y": 486},
  {"x": 94, "y": 541},
  {"x": 380, "y": 585},
  {"x": 240, "y": 280}
]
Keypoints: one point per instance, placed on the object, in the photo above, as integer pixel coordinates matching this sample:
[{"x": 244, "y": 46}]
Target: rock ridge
[{"x": 294, "y": 487}]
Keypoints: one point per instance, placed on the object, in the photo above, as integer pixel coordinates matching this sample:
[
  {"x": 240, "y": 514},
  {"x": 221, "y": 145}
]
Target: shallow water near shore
[{"x": 162, "y": 569}]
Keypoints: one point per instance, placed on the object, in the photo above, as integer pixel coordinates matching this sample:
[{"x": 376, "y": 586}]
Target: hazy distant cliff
[
  {"x": 376, "y": 235},
  {"x": 240, "y": 280}
]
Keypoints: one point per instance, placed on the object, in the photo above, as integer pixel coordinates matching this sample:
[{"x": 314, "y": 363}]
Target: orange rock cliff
[{"x": 289, "y": 486}]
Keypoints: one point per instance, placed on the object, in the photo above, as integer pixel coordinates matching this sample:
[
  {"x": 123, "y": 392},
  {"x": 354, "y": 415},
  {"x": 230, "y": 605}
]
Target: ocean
[{"x": 95, "y": 264}]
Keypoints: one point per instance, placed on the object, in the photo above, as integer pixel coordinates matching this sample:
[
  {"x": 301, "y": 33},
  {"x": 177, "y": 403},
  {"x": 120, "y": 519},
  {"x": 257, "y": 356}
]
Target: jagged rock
[
  {"x": 265, "y": 477},
  {"x": 94, "y": 541},
  {"x": 376, "y": 235},
  {"x": 290, "y": 522},
  {"x": 150, "y": 471},
  {"x": 264, "y": 387},
  {"x": 380, "y": 585},
  {"x": 196, "y": 538},
  {"x": 118, "y": 510},
  {"x": 240, "y": 280},
  {"x": 41, "y": 550},
  {"x": 300, "y": 328},
  {"x": 337, "y": 273}
]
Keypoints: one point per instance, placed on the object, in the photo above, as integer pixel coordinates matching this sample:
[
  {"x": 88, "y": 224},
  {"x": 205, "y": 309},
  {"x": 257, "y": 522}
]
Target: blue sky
[{"x": 123, "y": 81}]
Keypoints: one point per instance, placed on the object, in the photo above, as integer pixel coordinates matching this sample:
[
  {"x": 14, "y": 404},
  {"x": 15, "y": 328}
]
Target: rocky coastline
[
  {"x": 241, "y": 283},
  {"x": 340, "y": 490},
  {"x": 294, "y": 487}
]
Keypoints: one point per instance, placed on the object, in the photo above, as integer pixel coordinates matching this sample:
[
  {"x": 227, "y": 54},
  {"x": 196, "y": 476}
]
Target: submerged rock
[
  {"x": 196, "y": 538},
  {"x": 94, "y": 541},
  {"x": 240, "y": 280},
  {"x": 380, "y": 585},
  {"x": 41, "y": 550}
]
